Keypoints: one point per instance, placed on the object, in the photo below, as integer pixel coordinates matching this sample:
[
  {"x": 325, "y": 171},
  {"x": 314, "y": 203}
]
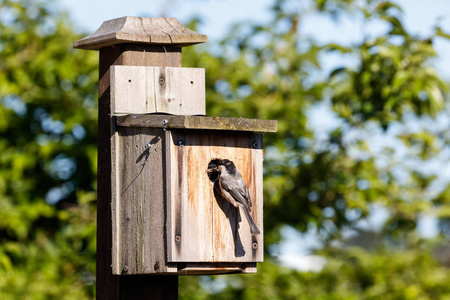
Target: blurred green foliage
[
  {"x": 47, "y": 156},
  {"x": 48, "y": 124},
  {"x": 350, "y": 274}
]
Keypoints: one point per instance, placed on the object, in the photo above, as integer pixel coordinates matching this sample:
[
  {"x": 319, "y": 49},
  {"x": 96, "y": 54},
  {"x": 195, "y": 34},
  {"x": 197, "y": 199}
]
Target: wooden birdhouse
[{"x": 167, "y": 212}]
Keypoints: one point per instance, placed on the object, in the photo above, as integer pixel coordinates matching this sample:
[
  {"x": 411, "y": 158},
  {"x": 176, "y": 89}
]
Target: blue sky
[{"x": 217, "y": 15}]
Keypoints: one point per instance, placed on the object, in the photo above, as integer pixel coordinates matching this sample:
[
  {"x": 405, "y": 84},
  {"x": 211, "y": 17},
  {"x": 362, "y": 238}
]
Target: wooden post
[{"x": 128, "y": 41}]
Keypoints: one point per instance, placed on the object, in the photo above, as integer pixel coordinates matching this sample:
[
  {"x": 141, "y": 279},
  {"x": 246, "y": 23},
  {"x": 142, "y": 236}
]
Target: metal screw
[
  {"x": 255, "y": 144},
  {"x": 125, "y": 270},
  {"x": 162, "y": 81},
  {"x": 255, "y": 245},
  {"x": 177, "y": 239},
  {"x": 180, "y": 143},
  {"x": 156, "y": 266},
  {"x": 149, "y": 145},
  {"x": 165, "y": 121}
]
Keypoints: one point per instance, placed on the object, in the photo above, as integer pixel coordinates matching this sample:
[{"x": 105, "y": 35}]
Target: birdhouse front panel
[{"x": 202, "y": 225}]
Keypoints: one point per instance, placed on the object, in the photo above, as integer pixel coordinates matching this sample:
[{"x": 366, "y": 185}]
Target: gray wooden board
[
  {"x": 201, "y": 226},
  {"x": 138, "y": 202},
  {"x": 142, "y": 90},
  {"x": 196, "y": 122}
]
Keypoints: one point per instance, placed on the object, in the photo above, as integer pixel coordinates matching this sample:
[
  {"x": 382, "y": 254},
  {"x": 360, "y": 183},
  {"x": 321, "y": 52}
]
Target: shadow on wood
[
  {"x": 233, "y": 215},
  {"x": 145, "y": 154}
]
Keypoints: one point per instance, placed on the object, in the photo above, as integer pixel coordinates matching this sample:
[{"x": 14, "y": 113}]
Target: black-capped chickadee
[{"x": 232, "y": 187}]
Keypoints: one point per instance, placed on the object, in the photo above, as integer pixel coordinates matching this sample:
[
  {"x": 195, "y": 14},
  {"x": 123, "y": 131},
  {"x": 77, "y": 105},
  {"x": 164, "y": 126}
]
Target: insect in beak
[{"x": 214, "y": 169}]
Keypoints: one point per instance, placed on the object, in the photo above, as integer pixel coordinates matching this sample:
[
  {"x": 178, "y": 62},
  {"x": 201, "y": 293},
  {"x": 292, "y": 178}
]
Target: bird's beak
[{"x": 212, "y": 170}]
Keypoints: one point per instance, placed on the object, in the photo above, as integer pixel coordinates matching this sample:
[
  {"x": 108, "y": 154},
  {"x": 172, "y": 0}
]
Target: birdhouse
[
  {"x": 170, "y": 198},
  {"x": 167, "y": 215}
]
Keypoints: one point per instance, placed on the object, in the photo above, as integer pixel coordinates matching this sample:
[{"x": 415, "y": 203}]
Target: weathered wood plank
[
  {"x": 129, "y": 88},
  {"x": 197, "y": 122},
  {"x": 107, "y": 285},
  {"x": 190, "y": 211},
  {"x": 142, "y": 90},
  {"x": 149, "y": 55},
  {"x": 138, "y": 225},
  {"x": 257, "y": 154},
  {"x": 160, "y": 31},
  {"x": 183, "y": 91},
  {"x": 115, "y": 204}
]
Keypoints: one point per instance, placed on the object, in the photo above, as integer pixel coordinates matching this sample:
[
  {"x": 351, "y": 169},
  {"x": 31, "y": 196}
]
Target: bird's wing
[{"x": 238, "y": 190}]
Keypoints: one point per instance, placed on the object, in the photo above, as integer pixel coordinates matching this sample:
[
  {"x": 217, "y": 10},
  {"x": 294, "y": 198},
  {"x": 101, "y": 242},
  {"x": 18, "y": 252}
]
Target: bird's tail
[{"x": 254, "y": 230}]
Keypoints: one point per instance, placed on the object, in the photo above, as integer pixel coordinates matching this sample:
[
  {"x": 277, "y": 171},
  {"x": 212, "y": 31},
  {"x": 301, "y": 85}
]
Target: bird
[{"x": 232, "y": 187}]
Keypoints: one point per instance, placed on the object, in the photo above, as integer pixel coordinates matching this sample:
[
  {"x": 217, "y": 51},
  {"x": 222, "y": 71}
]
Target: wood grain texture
[
  {"x": 190, "y": 221},
  {"x": 138, "y": 233},
  {"x": 141, "y": 90},
  {"x": 197, "y": 122},
  {"x": 159, "y": 31},
  {"x": 208, "y": 227},
  {"x": 107, "y": 285},
  {"x": 143, "y": 55}
]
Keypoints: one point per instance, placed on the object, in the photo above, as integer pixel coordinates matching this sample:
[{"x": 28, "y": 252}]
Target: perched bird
[{"x": 232, "y": 187}]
